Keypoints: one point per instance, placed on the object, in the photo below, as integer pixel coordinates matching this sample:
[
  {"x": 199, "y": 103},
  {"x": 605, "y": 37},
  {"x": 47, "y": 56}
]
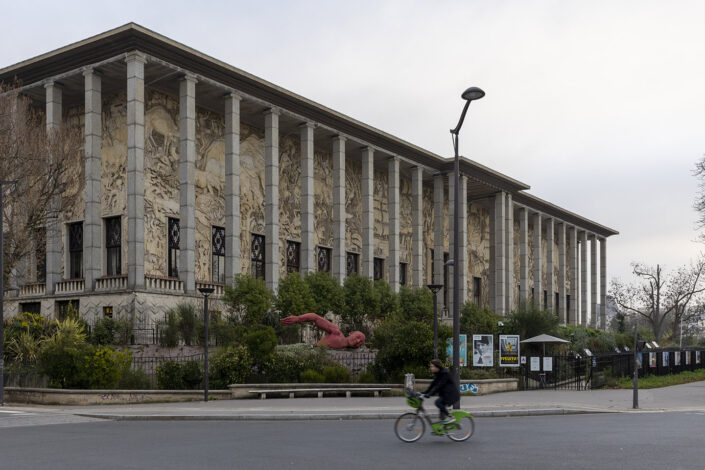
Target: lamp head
[
  {"x": 206, "y": 290},
  {"x": 473, "y": 93}
]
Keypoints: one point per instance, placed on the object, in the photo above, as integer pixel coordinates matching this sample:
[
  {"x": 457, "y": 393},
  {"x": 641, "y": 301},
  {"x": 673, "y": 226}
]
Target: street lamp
[
  {"x": 206, "y": 291},
  {"x": 434, "y": 289},
  {"x": 469, "y": 95},
  {"x": 2, "y": 294}
]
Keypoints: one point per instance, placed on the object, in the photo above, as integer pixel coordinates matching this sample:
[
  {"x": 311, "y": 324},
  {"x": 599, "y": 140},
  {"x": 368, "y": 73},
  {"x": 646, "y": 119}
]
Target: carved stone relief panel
[
  {"x": 381, "y": 216},
  {"x": 406, "y": 226},
  {"x": 530, "y": 249},
  {"x": 251, "y": 189},
  {"x": 73, "y": 204},
  {"x": 478, "y": 249},
  {"x": 427, "y": 232},
  {"x": 353, "y": 205},
  {"x": 289, "y": 195},
  {"x": 323, "y": 199}
]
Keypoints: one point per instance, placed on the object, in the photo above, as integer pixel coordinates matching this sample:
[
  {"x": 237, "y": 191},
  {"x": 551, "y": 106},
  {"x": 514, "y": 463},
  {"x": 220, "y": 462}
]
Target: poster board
[
  {"x": 482, "y": 350},
  {"x": 509, "y": 350}
]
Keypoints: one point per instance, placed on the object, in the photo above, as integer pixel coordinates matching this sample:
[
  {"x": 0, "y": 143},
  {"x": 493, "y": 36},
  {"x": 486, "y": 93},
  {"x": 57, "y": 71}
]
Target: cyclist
[{"x": 445, "y": 387}]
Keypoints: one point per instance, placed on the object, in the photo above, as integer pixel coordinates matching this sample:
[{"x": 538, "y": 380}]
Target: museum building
[{"x": 195, "y": 171}]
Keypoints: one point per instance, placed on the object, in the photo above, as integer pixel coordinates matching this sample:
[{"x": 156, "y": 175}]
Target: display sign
[
  {"x": 697, "y": 357},
  {"x": 509, "y": 350},
  {"x": 535, "y": 364},
  {"x": 687, "y": 358},
  {"x": 677, "y": 358},
  {"x": 664, "y": 356},
  {"x": 523, "y": 359},
  {"x": 482, "y": 350},
  {"x": 652, "y": 359},
  {"x": 463, "y": 350},
  {"x": 639, "y": 360},
  {"x": 547, "y": 364}
]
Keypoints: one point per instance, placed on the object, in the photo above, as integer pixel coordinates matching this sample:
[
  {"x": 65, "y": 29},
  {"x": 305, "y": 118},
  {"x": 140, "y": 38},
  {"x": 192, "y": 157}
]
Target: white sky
[{"x": 597, "y": 105}]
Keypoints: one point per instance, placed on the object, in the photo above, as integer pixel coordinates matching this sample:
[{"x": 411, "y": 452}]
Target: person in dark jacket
[{"x": 445, "y": 387}]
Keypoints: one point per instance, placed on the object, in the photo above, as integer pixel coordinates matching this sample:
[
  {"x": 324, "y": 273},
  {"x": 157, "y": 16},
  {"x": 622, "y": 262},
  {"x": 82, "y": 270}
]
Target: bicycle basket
[{"x": 413, "y": 402}]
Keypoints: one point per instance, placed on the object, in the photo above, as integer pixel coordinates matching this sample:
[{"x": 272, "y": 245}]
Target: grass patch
[{"x": 654, "y": 381}]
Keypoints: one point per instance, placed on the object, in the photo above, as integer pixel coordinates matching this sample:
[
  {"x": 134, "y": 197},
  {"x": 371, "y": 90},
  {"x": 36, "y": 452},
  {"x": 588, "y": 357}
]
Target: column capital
[
  {"x": 307, "y": 124},
  {"x": 339, "y": 138},
  {"x": 188, "y": 77},
  {"x": 233, "y": 96},
  {"x": 393, "y": 158},
  {"x": 91, "y": 71},
  {"x": 53, "y": 84},
  {"x": 272, "y": 111},
  {"x": 135, "y": 56}
]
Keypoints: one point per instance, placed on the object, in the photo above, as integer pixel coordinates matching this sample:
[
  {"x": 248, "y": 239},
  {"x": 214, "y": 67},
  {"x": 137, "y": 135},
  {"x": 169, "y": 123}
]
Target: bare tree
[
  {"x": 39, "y": 161},
  {"x": 658, "y": 297}
]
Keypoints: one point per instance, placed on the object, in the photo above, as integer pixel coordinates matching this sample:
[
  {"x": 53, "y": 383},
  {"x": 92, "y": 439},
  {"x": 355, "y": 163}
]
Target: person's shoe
[{"x": 448, "y": 420}]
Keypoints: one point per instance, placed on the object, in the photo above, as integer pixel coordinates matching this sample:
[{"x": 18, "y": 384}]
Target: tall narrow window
[
  {"x": 174, "y": 234},
  {"x": 293, "y": 256},
  {"x": 76, "y": 250},
  {"x": 257, "y": 258},
  {"x": 218, "y": 251},
  {"x": 40, "y": 242},
  {"x": 545, "y": 299},
  {"x": 113, "y": 245},
  {"x": 378, "y": 269},
  {"x": 402, "y": 274},
  {"x": 352, "y": 261},
  {"x": 324, "y": 255},
  {"x": 555, "y": 305},
  {"x": 476, "y": 290}
]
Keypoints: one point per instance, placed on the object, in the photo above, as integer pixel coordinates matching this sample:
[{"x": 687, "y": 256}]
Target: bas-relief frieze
[
  {"x": 381, "y": 216},
  {"x": 353, "y": 205},
  {"x": 428, "y": 233},
  {"x": 209, "y": 186},
  {"x": 530, "y": 255},
  {"x": 405, "y": 225},
  {"x": 289, "y": 195},
  {"x": 161, "y": 177},
  {"x": 114, "y": 163},
  {"x": 517, "y": 262},
  {"x": 251, "y": 190},
  {"x": 323, "y": 199},
  {"x": 75, "y": 175},
  {"x": 478, "y": 249}
]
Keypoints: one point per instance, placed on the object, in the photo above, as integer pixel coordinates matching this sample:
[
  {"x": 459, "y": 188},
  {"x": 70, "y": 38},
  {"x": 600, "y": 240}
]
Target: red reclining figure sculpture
[{"x": 333, "y": 338}]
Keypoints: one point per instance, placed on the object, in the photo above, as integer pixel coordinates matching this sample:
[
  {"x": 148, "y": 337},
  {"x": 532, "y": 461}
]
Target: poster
[
  {"x": 677, "y": 358},
  {"x": 463, "y": 350},
  {"x": 687, "y": 358},
  {"x": 664, "y": 363},
  {"x": 482, "y": 350},
  {"x": 697, "y": 357},
  {"x": 652, "y": 359},
  {"x": 535, "y": 364},
  {"x": 639, "y": 360},
  {"x": 509, "y": 350},
  {"x": 547, "y": 364}
]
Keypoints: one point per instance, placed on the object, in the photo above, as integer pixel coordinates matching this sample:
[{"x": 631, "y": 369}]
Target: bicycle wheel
[
  {"x": 461, "y": 430},
  {"x": 409, "y": 427}
]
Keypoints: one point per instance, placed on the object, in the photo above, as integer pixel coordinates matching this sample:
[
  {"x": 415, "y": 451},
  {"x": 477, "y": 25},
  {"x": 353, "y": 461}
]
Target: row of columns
[{"x": 502, "y": 213}]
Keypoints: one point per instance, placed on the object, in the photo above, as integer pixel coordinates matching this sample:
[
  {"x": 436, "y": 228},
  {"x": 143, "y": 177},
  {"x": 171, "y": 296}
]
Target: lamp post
[
  {"x": 206, "y": 291},
  {"x": 469, "y": 95},
  {"x": 2, "y": 294},
  {"x": 434, "y": 289}
]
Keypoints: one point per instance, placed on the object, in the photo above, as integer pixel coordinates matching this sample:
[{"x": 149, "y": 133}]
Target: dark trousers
[{"x": 442, "y": 407}]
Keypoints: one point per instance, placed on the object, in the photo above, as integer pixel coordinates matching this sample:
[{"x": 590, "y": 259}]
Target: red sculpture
[{"x": 333, "y": 338}]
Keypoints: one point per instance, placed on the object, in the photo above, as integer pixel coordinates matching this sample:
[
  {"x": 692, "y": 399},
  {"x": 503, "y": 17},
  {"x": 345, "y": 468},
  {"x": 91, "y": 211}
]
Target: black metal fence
[
  {"x": 354, "y": 361},
  {"x": 573, "y": 372},
  {"x": 149, "y": 365}
]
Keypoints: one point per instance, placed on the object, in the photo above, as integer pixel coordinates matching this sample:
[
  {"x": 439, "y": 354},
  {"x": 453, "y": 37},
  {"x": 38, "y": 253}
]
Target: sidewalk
[{"x": 687, "y": 397}]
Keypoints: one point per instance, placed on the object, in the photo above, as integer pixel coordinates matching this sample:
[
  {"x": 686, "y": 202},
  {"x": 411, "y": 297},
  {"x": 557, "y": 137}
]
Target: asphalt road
[{"x": 625, "y": 441}]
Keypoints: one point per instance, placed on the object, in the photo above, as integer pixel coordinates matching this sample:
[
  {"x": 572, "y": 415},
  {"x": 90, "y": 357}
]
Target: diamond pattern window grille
[
  {"x": 293, "y": 256},
  {"x": 402, "y": 274},
  {"x": 257, "y": 248},
  {"x": 352, "y": 263},
  {"x": 113, "y": 230},
  {"x": 174, "y": 233},
  {"x": 324, "y": 259},
  {"x": 219, "y": 241},
  {"x": 378, "y": 269},
  {"x": 76, "y": 236}
]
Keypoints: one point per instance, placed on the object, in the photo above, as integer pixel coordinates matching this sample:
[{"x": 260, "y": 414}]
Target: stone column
[
  {"x": 339, "y": 264},
  {"x": 135, "y": 170},
  {"x": 53, "y": 221},
  {"x": 271, "y": 208},
  {"x": 417, "y": 223},
  {"x": 562, "y": 312},
  {"x": 308, "y": 256},
  {"x": 463, "y": 240},
  {"x": 573, "y": 312},
  {"x": 593, "y": 281},
  {"x": 187, "y": 182},
  {"x": 524, "y": 254},
  {"x": 603, "y": 283},
  {"x": 499, "y": 260},
  {"x": 393, "y": 169},
  {"x": 538, "y": 261},
  {"x": 549, "y": 265},
  {"x": 584, "y": 319},
  {"x": 92, "y": 253},
  {"x": 438, "y": 234},
  {"x": 368, "y": 212},
  {"x": 509, "y": 255},
  {"x": 232, "y": 187}
]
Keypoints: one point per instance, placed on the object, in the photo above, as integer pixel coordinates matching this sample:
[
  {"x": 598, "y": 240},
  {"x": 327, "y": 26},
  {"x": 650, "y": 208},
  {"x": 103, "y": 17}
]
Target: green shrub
[
  {"x": 192, "y": 373},
  {"x": 475, "y": 320},
  {"x": 326, "y": 291},
  {"x": 134, "y": 379},
  {"x": 288, "y": 361},
  {"x": 402, "y": 346},
  {"x": 104, "y": 367},
  {"x": 528, "y": 321},
  {"x": 387, "y": 300},
  {"x": 336, "y": 374},
  {"x": 311, "y": 376},
  {"x": 359, "y": 304},
  {"x": 416, "y": 304},
  {"x": 169, "y": 331},
  {"x": 187, "y": 322},
  {"x": 230, "y": 365},
  {"x": 170, "y": 376},
  {"x": 111, "y": 331},
  {"x": 249, "y": 299},
  {"x": 366, "y": 377},
  {"x": 65, "y": 366},
  {"x": 260, "y": 342}
]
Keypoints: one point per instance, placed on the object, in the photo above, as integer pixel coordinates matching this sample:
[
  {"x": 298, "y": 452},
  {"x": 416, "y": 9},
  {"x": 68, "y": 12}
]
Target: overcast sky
[{"x": 598, "y": 105}]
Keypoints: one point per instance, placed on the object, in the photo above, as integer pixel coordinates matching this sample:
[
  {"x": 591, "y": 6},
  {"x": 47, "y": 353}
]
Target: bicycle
[{"x": 410, "y": 426}]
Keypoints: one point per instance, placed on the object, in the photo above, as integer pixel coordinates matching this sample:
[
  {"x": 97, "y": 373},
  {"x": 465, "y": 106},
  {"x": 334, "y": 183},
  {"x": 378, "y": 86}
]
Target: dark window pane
[
  {"x": 402, "y": 274},
  {"x": 218, "y": 271},
  {"x": 218, "y": 241},
  {"x": 378, "y": 269},
  {"x": 352, "y": 263},
  {"x": 324, "y": 259},
  {"x": 293, "y": 256},
  {"x": 113, "y": 242},
  {"x": 174, "y": 236},
  {"x": 257, "y": 258},
  {"x": 477, "y": 286},
  {"x": 76, "y": 250},
  {"x": 174, "y": 233}
]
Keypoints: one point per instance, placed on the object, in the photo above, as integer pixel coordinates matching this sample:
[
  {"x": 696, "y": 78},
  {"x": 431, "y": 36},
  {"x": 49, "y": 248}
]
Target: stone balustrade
[
  {"x": 111, "y": 283},
  {"x": 217, "y": 287},
  {"x": 164, "y": 284},
  {"x": 70, "y": 286},
  {"x": 33, "y": 289}
]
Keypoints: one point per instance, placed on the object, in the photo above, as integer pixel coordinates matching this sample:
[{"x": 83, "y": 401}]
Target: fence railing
[{"x": 149, "y": 365}]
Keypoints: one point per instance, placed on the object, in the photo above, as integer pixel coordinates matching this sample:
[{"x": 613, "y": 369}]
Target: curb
[{"x": 330, "y": 416}]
